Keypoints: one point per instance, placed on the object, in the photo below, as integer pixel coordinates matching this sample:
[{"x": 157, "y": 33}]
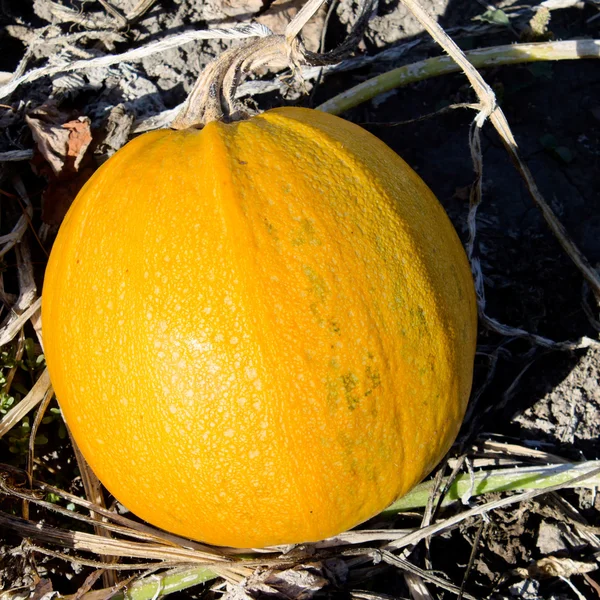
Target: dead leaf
[
  {"x": 62, "y": 159},
  {"x": 79, "y": 139},
  {"x": 60, "y": 141},
  {"x": 301, "y": 583},
  {"x": 42, "y": 588},
  {"x": 592, "y": 583},
  {"x": 553, "y": 566}
]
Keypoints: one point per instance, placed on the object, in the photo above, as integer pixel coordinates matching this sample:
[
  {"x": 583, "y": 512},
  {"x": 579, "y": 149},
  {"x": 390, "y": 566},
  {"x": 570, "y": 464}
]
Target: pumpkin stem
[{"x": 213, "y": 95}]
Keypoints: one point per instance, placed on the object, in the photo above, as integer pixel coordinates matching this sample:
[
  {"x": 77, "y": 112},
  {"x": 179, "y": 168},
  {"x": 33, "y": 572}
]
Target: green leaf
[{"x": 494, "y": 16}]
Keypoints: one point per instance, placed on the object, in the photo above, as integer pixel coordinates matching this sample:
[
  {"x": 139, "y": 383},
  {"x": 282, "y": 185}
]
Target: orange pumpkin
[{"x": 260, "y": 332}]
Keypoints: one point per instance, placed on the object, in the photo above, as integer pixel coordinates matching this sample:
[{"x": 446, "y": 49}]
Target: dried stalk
[
  {"x": 16, "y": 155},
  {"x": 213, "y": 97},
  {"x": 93, "y": 492},
  {"x": 142, "y": 7},
  {"x": 37, "y": 393},
  {"x": 490, "y": 109}
]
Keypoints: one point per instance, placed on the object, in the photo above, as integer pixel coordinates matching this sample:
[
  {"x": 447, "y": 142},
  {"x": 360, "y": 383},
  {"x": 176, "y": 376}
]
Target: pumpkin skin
[{"x": 260, "y": 332}]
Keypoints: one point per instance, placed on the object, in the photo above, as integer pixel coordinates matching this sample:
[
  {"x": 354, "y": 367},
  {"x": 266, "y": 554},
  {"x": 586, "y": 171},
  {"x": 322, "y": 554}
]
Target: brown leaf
[
  {"x": 59, "y": 141},
  {"x": 552, "y": 566},
  {"x": 79, "y": 139},
  {"x": 301, "y": 583},
  {"x": 51, "y": 139},
  {"x": 43, "y": 587},
  {"x": 62, "y": 158}
]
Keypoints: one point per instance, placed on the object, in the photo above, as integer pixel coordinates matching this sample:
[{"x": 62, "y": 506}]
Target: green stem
[
  {"x": 501, "y": 480},
  {"x": 166, "y": 583},
  {"x": 441, "y": 65}
]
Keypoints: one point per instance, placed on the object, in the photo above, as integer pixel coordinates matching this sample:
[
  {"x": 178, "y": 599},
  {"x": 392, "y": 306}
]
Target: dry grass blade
[
  {"x": 72, "y": 515},
  {"x": 416, "y": 587},
  {"x": 15, "y": 322},
  {"x": 474, "y": 551},
  {"x": 75, "y": 15},
  {"x": 16, "y": 155},
  {"x": 37, "y": 393},
  {"x": 299, "y": 21},
  {"x": 584, "y": 531},
  {"x": 93, "y": 492},
  {"x": 516, "y": 332},
  {"x": 102, "y": 546},
  {"x": 359, "y": 536},
  {"x": 405, "y": 565},
  {"x": 499, "y": 448},
  {"x": 483, "y": 90},
  {"x": 115, "y": 12},
  {"x": 366, "y": 595},
  {"x": 88, "y": 584},
  {"x": 31, "y": 449},
  {"x": 102, "y": 566},
  {"x": 141, "y": 8}
]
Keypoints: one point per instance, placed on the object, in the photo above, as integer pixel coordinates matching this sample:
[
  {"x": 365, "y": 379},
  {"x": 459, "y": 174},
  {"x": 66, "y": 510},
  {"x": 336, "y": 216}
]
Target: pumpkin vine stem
[{"x": 213, "y": 96}]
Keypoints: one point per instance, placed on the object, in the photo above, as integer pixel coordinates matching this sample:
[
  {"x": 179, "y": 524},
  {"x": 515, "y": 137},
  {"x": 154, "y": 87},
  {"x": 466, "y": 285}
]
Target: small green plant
[
  {"x": 494, "y": 16},
  {"x": 18, "y": 438},
  {"x": 6, "y": 400},
  {"x": 54, "y": 416},
  {"x": 56, "y": 499},
  {"x": 17, "y": 373}
]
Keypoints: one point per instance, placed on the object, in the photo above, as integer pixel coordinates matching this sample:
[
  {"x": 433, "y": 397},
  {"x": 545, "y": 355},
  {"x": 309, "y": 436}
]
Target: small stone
[
  {"x": 550, "y": 539},
  {"x": 526, "y": 590}
]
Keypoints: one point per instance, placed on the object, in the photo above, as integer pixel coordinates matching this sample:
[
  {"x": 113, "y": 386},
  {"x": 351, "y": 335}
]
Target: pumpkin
[{"x": 260, "y": 332}]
